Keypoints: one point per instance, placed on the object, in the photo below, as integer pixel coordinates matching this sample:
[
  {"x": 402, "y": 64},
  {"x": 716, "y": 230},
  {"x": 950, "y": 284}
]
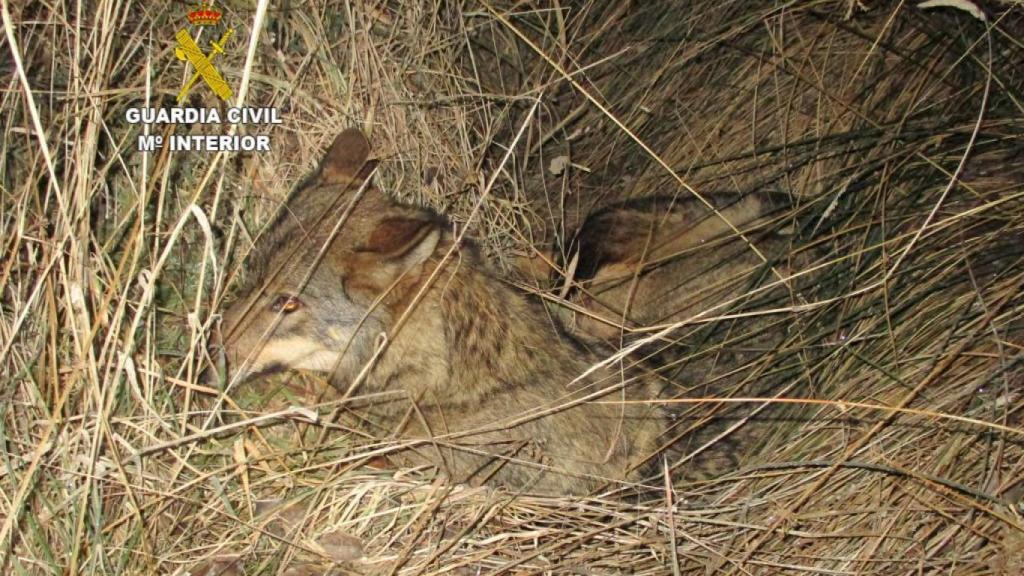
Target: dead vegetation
[{"x": 888, "y": 138}]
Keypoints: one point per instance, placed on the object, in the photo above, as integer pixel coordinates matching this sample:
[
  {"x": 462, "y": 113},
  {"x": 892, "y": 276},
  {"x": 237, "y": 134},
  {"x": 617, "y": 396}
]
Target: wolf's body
[
  {"x": 654, "y": 261},
  {"x": 643, "y": 265},
  {"x": 470, "y": 366}
]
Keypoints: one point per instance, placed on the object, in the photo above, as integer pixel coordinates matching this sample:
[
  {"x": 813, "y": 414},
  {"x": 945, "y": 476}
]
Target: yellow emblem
[{"x": 188, "y": 51}]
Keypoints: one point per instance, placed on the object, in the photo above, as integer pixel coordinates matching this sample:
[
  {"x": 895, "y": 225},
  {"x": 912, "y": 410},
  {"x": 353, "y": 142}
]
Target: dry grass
[{"x": 889, "y": 138}]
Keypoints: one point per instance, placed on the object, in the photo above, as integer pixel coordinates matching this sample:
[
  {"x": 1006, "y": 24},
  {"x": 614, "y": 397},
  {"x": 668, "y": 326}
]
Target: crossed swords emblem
[{"x": 188, "y": 50}]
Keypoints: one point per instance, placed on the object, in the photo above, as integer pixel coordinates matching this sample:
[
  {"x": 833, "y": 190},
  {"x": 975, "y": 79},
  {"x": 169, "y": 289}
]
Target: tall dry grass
[{"x": 888, "y": 137}]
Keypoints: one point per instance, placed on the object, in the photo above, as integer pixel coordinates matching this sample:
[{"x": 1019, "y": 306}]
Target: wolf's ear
[
  {"x": 347, "y": 160},
  {"x": 410, "y": 240}
]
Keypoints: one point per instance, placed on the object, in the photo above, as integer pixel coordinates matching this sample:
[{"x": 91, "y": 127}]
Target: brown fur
[
  {"x": 655, "y": 262},
  {"x": 474, "y": 365}
]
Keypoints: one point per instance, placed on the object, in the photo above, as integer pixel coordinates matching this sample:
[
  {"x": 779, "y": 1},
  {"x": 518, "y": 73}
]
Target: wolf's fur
[
  {"x": 661, "y": 261},
  {"x": 474, "y": 364}
]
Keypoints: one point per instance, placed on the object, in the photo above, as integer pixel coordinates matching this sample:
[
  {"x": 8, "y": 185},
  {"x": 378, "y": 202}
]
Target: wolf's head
[{"x": 331, "y": 273}]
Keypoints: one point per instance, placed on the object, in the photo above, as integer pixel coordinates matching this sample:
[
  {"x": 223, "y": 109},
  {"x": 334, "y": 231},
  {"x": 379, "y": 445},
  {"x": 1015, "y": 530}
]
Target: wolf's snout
[
  {"x": 213, "y": 371},
  {"x": 214, "y": 368}
]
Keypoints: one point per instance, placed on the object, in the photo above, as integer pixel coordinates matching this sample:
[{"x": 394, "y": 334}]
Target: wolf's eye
[{"x": 286, "y": 303}]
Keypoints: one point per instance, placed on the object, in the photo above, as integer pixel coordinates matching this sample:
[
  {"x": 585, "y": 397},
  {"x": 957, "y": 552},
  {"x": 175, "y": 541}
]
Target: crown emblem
[{"x": 204, "y": 15}]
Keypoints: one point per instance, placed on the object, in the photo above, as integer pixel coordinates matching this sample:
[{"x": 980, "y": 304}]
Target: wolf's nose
[{"x": 214, "y": 366}]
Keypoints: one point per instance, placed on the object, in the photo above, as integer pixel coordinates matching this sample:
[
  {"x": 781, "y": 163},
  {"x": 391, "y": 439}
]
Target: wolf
[
  {"x": 656, "y": 260},
  {"x": 721, "y": 272},
  {"x": 395, "y": 308}
]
